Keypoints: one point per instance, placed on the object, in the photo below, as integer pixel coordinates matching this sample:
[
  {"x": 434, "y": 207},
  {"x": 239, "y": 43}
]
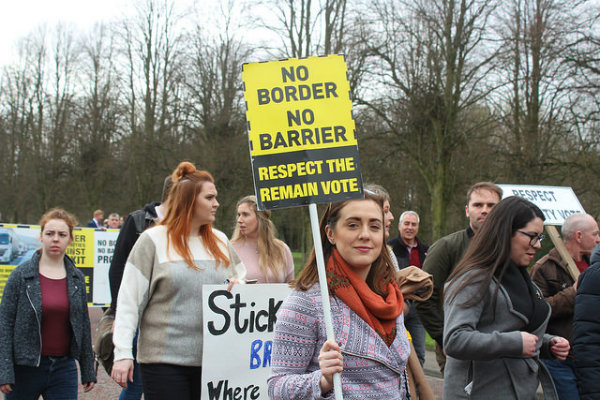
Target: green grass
[
  {"x": 429, "y": 342},
  {"x": 298, "y": 261}
]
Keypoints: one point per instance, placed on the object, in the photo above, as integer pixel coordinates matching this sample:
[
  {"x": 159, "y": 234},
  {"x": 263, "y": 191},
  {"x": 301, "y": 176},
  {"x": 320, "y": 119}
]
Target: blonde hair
[{"x": 271, "y": 251}]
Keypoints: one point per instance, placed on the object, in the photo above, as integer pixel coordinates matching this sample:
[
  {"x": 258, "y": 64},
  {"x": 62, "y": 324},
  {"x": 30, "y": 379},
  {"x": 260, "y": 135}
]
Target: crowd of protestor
[
  {"x": 114, "y": 221},
  {"x": 501, "y": 328}
]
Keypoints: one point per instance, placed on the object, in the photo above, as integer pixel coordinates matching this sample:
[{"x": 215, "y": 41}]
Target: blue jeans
[
  {"x": 417, "y": 331},
  {"x": 134, "y": 389},
  {"x": 563, "y": 375},
  {"x": 54, "y": 379}
]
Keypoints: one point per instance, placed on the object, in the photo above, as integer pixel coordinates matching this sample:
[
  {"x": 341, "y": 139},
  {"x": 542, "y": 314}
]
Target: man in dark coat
[
  {"x": 552, "y": 276},
  {"x": 409, "y": 250},
  {"x": 97, "y": 221},
  {"x": 586, "y": 333},
  {"x": 134, "y": 225}
]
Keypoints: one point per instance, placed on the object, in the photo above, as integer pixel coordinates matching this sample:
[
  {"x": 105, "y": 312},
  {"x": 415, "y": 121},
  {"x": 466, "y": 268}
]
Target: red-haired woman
[
  {"x": 161, "y": 290},
  {"x": 44, "y": 321}
]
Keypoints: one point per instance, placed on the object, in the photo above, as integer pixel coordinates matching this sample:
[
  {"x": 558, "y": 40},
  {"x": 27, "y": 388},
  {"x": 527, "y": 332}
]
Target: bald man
[{"x": 550, "y": 273}]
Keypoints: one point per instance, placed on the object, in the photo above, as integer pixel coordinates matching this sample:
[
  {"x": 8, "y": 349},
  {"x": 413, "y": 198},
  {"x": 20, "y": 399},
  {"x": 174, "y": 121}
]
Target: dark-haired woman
[
  {"x": 371, "y": 347},
  {"x": 44, "y": 321},
  {"x": 495, "y": 318},
  {"x": 161, "y": 290}
]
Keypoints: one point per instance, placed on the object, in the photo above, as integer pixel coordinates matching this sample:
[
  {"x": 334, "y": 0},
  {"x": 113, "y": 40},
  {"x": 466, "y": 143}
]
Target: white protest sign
[
  {"x": 556, "y": 202},
  {"x": 104, "y": 242},
  {"x": 238, "y": 338}
]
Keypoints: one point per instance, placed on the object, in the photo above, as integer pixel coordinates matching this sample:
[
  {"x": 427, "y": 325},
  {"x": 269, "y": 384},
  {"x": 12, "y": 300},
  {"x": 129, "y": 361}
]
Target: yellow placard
[
  {"x": 298, "y": 104},
  {"x": 81, "y": 250}
]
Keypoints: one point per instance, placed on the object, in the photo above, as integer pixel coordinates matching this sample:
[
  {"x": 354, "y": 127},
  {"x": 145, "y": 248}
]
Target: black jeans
[{"x": 167, "y": 381}]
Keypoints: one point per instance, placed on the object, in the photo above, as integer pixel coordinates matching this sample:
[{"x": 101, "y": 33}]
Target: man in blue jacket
[{"x": 97, "y": 221}]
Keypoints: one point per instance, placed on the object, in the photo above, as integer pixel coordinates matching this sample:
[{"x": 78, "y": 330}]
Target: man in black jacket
[
  {"x": 134, "y": 225},
  {"x": 586, "y": 333},
  {"x": 409, "y": 250}
]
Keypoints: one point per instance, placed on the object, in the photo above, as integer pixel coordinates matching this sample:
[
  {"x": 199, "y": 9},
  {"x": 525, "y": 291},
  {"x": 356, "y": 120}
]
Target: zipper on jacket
[
  {"x": 75, "y": 336},
  {"x": 399, "y": 371},
  {"x": 39, "y": 326}
]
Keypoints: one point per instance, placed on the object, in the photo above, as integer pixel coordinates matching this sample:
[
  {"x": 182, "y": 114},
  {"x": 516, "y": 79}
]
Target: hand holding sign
[{"x": 331, "y": 361}]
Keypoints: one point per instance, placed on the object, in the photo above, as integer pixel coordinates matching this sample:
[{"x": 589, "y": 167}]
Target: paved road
[{"x": 107, "y": 389}]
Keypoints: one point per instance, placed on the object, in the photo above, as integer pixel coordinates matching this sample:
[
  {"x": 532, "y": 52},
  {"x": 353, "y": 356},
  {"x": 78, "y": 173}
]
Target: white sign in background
[
  {"x": 104, "y": 242},
  {"x": 556, "y": 202},
  {"x": 238, "y": 337}
]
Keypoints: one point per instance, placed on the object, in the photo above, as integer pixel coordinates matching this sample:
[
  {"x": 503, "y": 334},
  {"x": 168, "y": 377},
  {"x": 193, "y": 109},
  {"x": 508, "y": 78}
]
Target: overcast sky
[{"x": 19, "y": 17}]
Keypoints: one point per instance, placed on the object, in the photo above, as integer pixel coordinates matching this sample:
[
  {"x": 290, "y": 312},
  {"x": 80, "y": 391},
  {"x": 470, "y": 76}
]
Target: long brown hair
[
  {"x": 271, "y": 253},
  {"x": 181, "y": 207},
  {"x": 488, "y": 253},
  {"x": 382, "y": 270}
]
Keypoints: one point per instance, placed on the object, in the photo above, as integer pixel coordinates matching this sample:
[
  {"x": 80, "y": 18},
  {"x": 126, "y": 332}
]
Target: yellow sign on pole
[{"x": 302, "y": 136}]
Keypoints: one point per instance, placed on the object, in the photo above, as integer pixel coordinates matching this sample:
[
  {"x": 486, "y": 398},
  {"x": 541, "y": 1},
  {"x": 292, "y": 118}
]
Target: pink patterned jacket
[{"x": 372, "y": 370}]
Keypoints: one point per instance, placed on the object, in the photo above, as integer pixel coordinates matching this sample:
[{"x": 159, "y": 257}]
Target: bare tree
[
  {"x": 533, "y": 107},
  {"x": 307, "y": 27},
  {"x": 215, "y": 127},
  {"x": 430, "y": 59},
  {"x": 99, "y": 124},
  {"x": 24, "y": 95},
  {"x": 152, "y": 49},
  {"x": 57, "y": 129}
]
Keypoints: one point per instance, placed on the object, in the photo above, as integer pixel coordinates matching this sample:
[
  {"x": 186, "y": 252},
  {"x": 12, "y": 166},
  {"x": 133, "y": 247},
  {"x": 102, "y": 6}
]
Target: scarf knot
[{"x": 377, "y": 311}]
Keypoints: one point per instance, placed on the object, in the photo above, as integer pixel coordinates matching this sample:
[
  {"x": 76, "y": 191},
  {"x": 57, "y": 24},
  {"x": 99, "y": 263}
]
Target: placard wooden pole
[
  {"x": 562, "y": 250},
  {"x": 314, "y": 223}
]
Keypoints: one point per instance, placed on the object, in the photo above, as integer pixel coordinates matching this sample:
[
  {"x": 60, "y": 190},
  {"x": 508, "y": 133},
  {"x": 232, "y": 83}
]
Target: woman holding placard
[
  {"x": 161, "y": 291},
  {"x": 372, "y": 348},
  {"x": 267, "y": 259}
]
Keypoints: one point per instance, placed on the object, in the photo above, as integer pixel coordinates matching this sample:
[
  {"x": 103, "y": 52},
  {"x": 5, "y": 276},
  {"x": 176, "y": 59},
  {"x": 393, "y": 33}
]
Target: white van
[{"x": 8, "y": 245}]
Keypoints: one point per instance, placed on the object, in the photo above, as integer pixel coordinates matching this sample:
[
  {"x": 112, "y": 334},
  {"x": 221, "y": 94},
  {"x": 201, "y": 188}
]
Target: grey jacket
[
  {"x": 484, "y": 348},
  {"x": 20, "y": 321},
  {"x": 441, "y": 259}
]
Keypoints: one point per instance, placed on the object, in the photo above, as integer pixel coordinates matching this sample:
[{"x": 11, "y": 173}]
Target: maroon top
[
  {"x": 582, "y": 265},
  {"x": 56, "y": 328},
  {"x": 415, "y": 258}
]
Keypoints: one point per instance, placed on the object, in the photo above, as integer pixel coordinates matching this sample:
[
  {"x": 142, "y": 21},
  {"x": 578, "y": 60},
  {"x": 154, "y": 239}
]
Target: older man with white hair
[
  {"x": 550, "y": 273},
  {"x": 410, "y": 250}
]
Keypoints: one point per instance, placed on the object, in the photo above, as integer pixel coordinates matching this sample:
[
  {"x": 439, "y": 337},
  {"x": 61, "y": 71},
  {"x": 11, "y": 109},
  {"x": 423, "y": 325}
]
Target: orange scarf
[{"x": 378, "y": 312}]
